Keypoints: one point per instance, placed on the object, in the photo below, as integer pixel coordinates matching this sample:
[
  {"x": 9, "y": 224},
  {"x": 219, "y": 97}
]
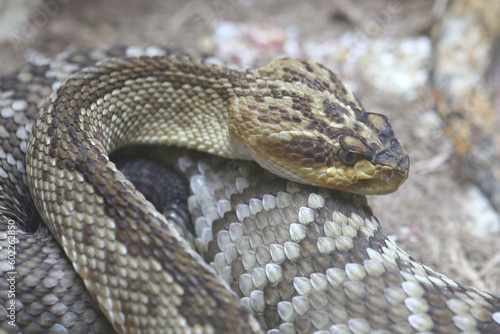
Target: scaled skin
[
  {"x": 301, "y": 123},
  {"x": 297, "y": 119}
]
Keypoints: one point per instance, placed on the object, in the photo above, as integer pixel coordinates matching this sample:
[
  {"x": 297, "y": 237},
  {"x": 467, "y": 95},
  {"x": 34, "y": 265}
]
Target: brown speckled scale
[{"x": 275, "y": 255}]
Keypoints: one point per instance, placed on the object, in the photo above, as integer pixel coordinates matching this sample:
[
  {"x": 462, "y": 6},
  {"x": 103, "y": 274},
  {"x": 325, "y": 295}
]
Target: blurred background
[{"x": 433, "y": 67}]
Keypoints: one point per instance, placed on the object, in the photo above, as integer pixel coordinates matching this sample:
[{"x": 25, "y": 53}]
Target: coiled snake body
[{"x": 301, "y": 258}]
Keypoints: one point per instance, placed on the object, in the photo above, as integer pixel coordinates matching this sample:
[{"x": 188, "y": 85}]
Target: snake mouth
[
  {"x": 391, "y": 169},
  {"x": 393, "y": 175},
  {"x": 385, "y": 181},
  {"x": 393, "y": 178},
  {"x": 379, "y": 179}
]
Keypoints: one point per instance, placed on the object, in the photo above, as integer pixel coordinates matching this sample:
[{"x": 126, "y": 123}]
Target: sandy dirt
[{"x": 436, "y": 216}]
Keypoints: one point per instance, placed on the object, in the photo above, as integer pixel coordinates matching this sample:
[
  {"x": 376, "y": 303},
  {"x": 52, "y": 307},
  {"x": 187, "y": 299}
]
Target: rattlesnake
[{"x": 300, "y": 258}]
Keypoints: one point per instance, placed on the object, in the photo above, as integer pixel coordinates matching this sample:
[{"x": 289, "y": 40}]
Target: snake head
[{"x": 300, "y": 122}]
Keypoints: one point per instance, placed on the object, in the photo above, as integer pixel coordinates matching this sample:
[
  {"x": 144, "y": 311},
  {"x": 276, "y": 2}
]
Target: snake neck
[{"x": 173, "y": 100}]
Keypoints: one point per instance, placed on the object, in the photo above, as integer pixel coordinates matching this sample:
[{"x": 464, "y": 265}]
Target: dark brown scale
[
  {"x": 307, "y": 150},
  {"x": 334, "y": 111},
  {"x": 308, "y": 66},
  {"x": 320, "y": 262},
  {"x": 309, "y": 246},
  {"x": 358, "y": 252},
  {"x": 282, "y": 234},
  {"x": 268, "y": 236},
  {"x": 269, "y": 119},
  {"x": 237, "y": 269},
  {"x": 260, "y": 99},
  {"x": 314, "y": 84},
  {"x": 305, "y": 267},
  {"x": 318, "y": 124},
  {"x": 377, "y": 242},
  {"x": 320, "y": 85},
  {"x": 289, "y": 118},
  {"x": 303, "y": 105},
  {"x": 285, "y": 115},
  {"x": 286, "y": 288},
  {"x": 271, "y": 317},
  {"x": 271, "y": 295},
  {"x": 358, "y": 112}
]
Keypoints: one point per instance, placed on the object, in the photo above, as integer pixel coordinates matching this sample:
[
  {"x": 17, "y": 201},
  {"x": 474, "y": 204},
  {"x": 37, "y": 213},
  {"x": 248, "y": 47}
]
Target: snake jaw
[
  {"x": 315, "y": 161},
  {"x": 389, "y": 180},
  {"x": 380, "y": 178}
]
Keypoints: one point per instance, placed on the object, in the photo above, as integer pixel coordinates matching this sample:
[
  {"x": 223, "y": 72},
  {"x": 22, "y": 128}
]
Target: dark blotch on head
[
  {"x": 334, "y": 111},
  {"x": 308, "y": 67},
  {"x": 302, "y": 104},
  {"x": 295, "y": 76},
  {"x": 287, "y": 117},
  {"x": 308, "y": 151},
  {"x": 269, "y": 119}
]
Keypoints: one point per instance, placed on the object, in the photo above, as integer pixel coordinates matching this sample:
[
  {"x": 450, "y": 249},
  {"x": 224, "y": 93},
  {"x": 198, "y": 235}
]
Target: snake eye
[{"x": 349, "y": 158}]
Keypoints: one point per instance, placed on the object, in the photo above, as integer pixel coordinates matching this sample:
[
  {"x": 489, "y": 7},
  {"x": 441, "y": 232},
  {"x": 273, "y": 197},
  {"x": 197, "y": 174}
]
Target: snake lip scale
[{"x": 302, "y": 251}]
